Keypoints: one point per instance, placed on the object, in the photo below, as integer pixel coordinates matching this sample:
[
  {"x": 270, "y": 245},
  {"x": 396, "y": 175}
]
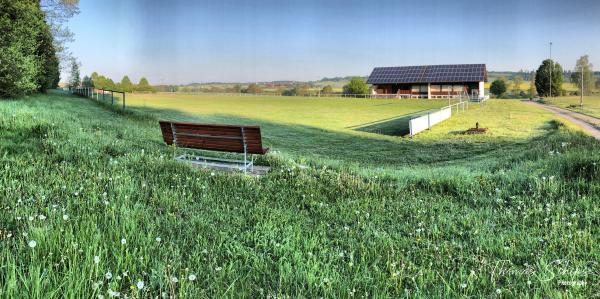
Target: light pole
[
  {"x": 581, "y": 95},
  {"x": 551, "y": 64}
]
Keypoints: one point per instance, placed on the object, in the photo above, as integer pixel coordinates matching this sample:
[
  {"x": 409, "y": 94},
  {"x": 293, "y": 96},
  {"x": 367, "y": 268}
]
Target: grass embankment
[
  {"x": 108, "y": 209},
  {"x": 591, "y": 104}
]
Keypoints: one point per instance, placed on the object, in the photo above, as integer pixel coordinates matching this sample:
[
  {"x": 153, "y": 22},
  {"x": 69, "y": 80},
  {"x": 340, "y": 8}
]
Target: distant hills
[{"x": 335, "y": 82}]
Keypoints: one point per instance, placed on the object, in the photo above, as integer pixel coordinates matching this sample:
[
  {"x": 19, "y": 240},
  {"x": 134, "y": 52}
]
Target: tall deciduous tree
[
  {"x": 583, "y": 64},
  {"x": 516, "y": 84},
  {"x": 87, "y": 82},
  {"x": 143, "y": 85},
  {"x": 532, "y": 90},
  {"x": 549, "y": 69},
  {"x": 74, "y": 79},
  {"x": 498, "y": 87},
  {"x": 27, "y": 58},
  {"x": 58, "y": 13},
  {"x": 126, "y": 84}
]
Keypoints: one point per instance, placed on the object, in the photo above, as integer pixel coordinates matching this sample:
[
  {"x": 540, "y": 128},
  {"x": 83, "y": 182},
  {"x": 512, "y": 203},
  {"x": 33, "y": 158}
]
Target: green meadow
[
  {"x": 591, "y": 104},
  {"x": 94, "y": 205}
]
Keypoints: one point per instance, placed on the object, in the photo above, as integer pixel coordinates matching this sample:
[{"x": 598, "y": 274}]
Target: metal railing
[{"x": 94, "y": 93}]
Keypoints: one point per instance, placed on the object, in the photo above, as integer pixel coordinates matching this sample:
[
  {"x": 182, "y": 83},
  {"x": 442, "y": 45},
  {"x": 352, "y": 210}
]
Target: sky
[{"x": 185, "y": 41}]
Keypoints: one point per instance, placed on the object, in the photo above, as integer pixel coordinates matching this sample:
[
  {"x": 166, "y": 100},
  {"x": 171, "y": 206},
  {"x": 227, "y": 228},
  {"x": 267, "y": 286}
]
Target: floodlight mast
[
  {"x": 551, "y": 64},
  {"x": 581, "y": 95}
]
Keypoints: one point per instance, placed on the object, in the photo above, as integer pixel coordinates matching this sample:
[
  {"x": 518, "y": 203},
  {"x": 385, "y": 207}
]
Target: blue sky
[{"x": 183, "y": 41}]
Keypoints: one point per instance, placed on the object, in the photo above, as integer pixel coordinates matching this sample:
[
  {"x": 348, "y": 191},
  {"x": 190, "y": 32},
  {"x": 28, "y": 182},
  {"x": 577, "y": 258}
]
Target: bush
[{"x": 356, "y": 86}]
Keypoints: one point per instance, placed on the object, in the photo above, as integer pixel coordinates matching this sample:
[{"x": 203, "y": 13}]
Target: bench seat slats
[{"x": 213, "y": 137}]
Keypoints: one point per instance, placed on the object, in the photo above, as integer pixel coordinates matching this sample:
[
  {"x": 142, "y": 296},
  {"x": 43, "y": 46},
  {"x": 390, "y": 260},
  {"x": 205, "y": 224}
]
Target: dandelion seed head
[
  {"x": 192, "y": 277},
  {"x": 32, "y": 243},
  {"x": 140, "y": 284},
  {"x": 112, "y": 293}
]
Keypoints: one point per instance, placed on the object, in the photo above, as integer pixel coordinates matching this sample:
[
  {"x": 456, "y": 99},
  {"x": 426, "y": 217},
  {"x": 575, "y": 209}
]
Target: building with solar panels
[{"x": 429, "y": 81}]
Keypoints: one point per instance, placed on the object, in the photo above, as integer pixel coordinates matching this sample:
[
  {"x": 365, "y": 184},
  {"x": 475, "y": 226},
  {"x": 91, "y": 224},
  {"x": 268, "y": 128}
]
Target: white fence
[
  {"x": 424, "y": 122},
  {"x": 427, "y": 121}
]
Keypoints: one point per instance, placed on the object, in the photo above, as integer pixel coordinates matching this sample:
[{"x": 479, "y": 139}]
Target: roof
[{"x": 429, "y": 74}]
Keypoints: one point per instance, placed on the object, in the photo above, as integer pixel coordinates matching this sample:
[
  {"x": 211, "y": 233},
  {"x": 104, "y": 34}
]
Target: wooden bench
[{"x": 214, "y": 137}]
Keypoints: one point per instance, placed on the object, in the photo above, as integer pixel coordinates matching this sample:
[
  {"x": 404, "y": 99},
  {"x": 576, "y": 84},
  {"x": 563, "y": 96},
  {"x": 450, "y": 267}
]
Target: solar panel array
[{"x": 429, "y": 74}]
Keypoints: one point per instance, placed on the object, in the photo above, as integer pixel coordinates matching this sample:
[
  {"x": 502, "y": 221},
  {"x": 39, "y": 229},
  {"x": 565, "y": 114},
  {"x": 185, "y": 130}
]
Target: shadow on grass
[
  {"x": 393, "y": 126},
  {"x": 315, "y": 145},
  {"x": 306, "y": 144}
]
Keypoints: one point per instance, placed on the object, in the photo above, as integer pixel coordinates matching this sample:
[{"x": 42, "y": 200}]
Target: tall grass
[{"x": 109, "y": 209}]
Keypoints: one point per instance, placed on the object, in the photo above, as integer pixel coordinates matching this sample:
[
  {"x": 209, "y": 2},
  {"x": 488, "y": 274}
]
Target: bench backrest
[{"x": 228, "y": 138}]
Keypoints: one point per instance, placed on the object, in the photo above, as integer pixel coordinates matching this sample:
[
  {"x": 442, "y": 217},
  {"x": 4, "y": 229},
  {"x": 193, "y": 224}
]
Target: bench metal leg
[{"x": 242, "y": 165}]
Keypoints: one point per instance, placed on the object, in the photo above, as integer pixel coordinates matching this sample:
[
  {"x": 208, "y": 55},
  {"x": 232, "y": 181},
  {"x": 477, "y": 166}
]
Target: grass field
[
  {"x": 355, "y": 131},
  {"x": 93, "y": 204},
  {"x": 591, "y": 104}
]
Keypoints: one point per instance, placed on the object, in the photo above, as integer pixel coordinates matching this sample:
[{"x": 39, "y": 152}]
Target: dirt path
[{"x": 589, "y": 124}]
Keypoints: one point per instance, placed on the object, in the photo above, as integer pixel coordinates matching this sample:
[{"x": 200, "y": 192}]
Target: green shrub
[{"x": 356, "y": 86}]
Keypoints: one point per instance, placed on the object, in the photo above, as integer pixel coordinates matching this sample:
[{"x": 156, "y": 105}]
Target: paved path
[{"x": 589, "y": 124}]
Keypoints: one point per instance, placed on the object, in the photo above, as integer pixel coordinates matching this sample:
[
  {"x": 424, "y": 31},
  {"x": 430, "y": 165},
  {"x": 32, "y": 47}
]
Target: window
[
  {"x": 436, "y": 88},
  {"x": 458, "y": 88},
  {"x": 415, "y": 88},
  {"x": 423, "y": 88},
  {"x": 446, "y": 88}
]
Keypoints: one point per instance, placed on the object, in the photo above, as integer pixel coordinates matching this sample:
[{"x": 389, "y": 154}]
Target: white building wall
[{"x": 481, "y": 89}]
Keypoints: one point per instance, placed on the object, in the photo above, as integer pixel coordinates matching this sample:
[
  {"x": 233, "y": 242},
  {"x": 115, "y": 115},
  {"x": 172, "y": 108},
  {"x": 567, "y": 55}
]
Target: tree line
[
  {"x": 96, "y": 80},
  {"x": 548, "y": 81},
  {"x": 356, "y": 85}
]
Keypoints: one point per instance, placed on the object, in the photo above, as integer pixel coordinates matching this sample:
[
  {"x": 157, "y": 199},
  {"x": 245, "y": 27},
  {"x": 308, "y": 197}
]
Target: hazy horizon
[{"x": 182, "y": 42}]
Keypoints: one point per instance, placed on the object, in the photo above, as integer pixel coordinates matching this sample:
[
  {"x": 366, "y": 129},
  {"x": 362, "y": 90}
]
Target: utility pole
[
  {"x": 581, "y": 95},
  {"x": 551, "y": 65}
]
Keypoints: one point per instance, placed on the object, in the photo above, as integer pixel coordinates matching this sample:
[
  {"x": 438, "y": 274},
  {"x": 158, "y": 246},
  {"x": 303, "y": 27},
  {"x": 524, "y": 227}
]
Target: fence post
[
  {"x": 428, "y": 121},
  {"x": 112, "y": 99},
  {"x": 123, "y": 101}
]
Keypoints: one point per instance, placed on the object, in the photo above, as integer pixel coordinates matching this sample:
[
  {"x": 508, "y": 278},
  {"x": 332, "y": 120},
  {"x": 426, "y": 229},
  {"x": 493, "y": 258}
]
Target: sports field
[
  {"x": 327, "y": 113},
  {"x": 93, "y": 203},
  {"x": 361, "y": 131}
]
